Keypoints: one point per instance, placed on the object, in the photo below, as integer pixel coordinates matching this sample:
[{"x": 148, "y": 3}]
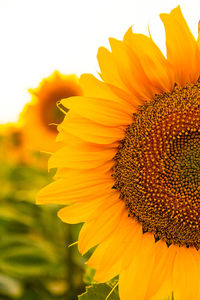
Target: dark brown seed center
[{"x": 157, "y": 167}]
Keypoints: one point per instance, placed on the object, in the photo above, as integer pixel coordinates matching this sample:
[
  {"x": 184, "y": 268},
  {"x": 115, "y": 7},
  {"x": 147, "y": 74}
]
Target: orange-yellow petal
[
  {"x": 132, "y": 250},
  {"x": 92, "y": 87},
  {"x": 102, "y": 111},
  {"x": 98, "y": 229},
  {"x": 131, "y": 70},
  {"x": 182, "y": 50},
  {"x": 109, "y": 70},
  {"x": 103, "y": 171},
  {"x": 134, "y": 280},
  {"x": 90, "y": 131},
  {"x": 164, "y": 259},
  {"x": 78, "y": 157},
  {"x": 111, "y": 256},
  {"x": 80, "y": 211},
  {"x": 65, "y": 191},
  {"x": 186, "y": 275},
  {"x": 165, "y": 292},
  {"x": 157, "y": 69}
]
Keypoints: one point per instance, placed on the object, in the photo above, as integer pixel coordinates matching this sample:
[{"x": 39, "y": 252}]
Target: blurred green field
[{"x": 35, "y": 261}]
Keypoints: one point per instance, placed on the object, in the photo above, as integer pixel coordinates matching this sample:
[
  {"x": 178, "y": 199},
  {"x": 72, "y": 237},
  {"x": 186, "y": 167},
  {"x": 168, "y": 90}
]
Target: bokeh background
[{"x": 38, "y": 37}]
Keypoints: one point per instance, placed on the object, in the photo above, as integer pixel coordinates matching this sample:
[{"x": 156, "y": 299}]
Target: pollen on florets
[{"x": 157, "y": 166}]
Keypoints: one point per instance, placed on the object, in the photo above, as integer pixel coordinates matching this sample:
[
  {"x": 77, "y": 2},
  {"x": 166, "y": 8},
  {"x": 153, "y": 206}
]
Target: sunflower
[
  {"x": 130, "y": 165},
  {"x": 40, "y": 117},
  {"x": 12, "y": 144}
]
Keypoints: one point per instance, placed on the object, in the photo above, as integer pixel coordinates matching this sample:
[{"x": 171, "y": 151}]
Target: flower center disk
[{"x": 157, "y": 167}]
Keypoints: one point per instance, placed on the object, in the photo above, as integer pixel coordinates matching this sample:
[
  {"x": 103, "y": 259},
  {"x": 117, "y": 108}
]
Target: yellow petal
[
  {"x": 80, "y": 212},
  {"x": 198, "y": 39},
  {"x": 78, "y": 157},
  {"x": 164, "y": 259},
  {"x": 165, "y": 292},
  {"x": 134, "y": 280},
  {"x": 98, "y": 229},
  {"x": 109, "y": 70},
  {"x": 186, "y": 275},
  {"x": 95, "y": 262},
  {"x": 104, "y": 171},
  {"x": 131, "y": 71},
  {"x": 102, "y": 111},
  {"x": 90, "y": 131},
  {"x": 111, "y": 256},
  {"x": 182, "y": 49},
  {"x": 155, "y": 65},
  {"x": 133, "y": 248},
  {"x": 65, "y": 191},
  {"x": 92, "y": 87},
  {"x": 106, "y": 275}
]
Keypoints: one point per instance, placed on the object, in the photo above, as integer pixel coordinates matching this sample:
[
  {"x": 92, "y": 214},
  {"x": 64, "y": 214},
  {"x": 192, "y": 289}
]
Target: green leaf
[
  {"x": 89, "y": 274},
  {"x": 99, "y": 292},
  {"x": 9, "y": 213},
  {"x": 23, "y": 256},
  {"x": 33, "y": 241}
]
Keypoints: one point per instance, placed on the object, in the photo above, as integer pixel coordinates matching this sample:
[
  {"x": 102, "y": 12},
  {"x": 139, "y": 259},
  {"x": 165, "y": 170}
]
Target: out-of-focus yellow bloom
[
  {"x": 41, "y": 116},
  {"x": 12, "y": 144}
]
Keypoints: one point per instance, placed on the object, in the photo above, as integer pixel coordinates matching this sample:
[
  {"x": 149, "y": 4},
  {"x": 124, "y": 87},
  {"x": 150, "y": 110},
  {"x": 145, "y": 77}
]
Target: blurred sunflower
[
  {"x": 12, "y": 144},
  {"x": 131, "y": 171},
  {"x": 41, "y": 116}
]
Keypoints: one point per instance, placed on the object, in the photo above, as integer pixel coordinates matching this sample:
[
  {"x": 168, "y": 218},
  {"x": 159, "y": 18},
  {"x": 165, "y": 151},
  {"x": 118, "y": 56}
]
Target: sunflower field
[{"x": 35, "y": 260}]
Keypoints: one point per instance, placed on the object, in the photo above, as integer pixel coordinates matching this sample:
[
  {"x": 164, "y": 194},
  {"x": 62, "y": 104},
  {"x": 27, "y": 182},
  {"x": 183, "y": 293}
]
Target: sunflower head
[
  {"x": 157, "y": 166},
  {"x": 42, "y": 115},
  {"x": 133, "y": 141}
]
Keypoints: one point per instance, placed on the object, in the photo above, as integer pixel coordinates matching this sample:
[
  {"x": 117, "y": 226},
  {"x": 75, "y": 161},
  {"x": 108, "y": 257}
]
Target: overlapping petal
[
  {"x": 102, "y": 111},
  {"x": 81, "y": 156},
  {"x": 75, "y": 189},
  {"x": 99, "y": 134},
  {"x": 186, "y": 275},
  {"x": 135, "y": 278},
  {"x": 157, "y": 69},
  {"x": 103, "y": 222},
  {"x": 182, "y": 50}
]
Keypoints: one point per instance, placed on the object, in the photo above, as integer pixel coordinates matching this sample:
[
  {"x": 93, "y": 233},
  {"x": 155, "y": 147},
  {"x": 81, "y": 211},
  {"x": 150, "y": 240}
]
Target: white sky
[{"x": 39, "y": 36}]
